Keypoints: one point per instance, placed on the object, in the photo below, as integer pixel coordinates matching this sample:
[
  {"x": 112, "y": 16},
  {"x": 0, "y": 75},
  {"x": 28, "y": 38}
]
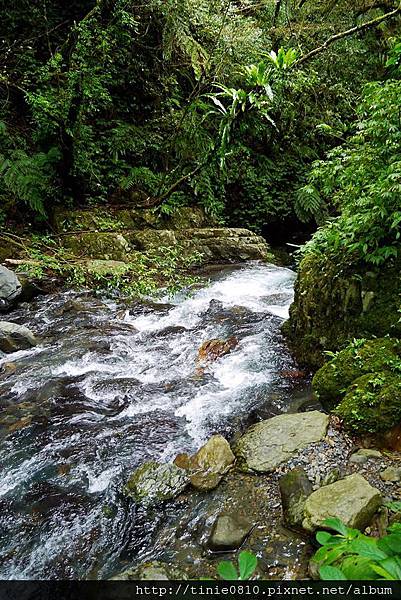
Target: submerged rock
[
  {"x": 10, "y": 287},
  {"x": 352, "y": 499},
  {"x": 229, "y": 532},
  {"x": 211, "y": 350},
  {"x": 155, "y": 482},
  {"x": 295, "y": 487},
  {"x": 151, "y": 571},
  {"x": 270, "y": 443},
  {"x": 15, "y": 337},
  {"x": 210, "y": 463}
]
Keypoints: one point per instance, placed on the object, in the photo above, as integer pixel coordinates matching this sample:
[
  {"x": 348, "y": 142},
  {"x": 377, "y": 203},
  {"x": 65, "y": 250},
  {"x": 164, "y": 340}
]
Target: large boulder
[
  {"x": 15, "y": 337},
  {"x": 372, "y": 403},
  {"x": 334, "y": 304},
  {"x": 10, "y": 287},
  {"x": 156, "y": 482},
  {"x": 270, "y": 443},
  {"x": 352, "y": 500},
  {"x": 295, "y": 487},
  {"x": 210, "y": 463},
  {"x": 331, "y": 381},
  {"x": 101, "y": 245},
  {"x": 229, "y": 532}
]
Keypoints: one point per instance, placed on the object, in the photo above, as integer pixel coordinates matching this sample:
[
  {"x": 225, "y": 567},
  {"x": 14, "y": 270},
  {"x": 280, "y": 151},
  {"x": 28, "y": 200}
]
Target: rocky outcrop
[
  {"x": 207, "y": 467},
  {"x": 155, "y": 482},
  {"x": 229, "y": 532},
  {"x": 104, "y": 246},
  {"x": 10, "y": 287},
  {"x": 352, "y": 500},
  {"x": 270, "y": 443},
  {"x": 334, "y": 304},
  {"x": 15, "y": 337},
  {"x": 295, "y": 488},
  {"x": 363, "y": 384}
]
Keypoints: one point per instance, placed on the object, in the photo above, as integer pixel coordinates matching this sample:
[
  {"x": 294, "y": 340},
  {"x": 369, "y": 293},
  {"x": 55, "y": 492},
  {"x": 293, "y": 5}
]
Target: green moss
[
  {"x": 334, "y": 305},
  {"x": 331, "y": 382},
  {"x": 372, "y": 403}
]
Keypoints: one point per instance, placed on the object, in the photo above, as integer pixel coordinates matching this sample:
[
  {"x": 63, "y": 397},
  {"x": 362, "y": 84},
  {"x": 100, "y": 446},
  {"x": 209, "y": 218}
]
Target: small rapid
[{"x": 113, "y": 385}]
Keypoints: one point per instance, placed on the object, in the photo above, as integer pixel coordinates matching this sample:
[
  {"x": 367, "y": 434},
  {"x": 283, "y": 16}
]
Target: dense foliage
[
  {"x": 175, "y": 102},
  {"x": 349, "y": 554}
]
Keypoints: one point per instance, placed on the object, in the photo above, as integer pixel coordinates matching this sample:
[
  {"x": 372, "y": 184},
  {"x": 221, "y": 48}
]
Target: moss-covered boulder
[
  {"x": 372, "y": 403},
  {"x": 334, "y": 304},
  {"x": 155, "y": 482},
  {"x": 331, "y": 382},
  {"x": 96, "y": 245}
]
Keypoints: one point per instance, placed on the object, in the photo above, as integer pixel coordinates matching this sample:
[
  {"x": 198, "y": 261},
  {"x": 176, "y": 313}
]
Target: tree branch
[{"x": 338, "y": 36}]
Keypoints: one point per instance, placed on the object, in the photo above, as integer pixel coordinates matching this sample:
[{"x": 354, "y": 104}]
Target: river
[{"x": 111, "y": 385}]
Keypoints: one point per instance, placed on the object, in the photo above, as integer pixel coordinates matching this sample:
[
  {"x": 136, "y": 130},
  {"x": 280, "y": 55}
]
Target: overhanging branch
[{"x": 338, "y": 36}]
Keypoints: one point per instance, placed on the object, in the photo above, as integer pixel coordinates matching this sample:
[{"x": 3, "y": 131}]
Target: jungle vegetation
[{"x": 277, "y": 115}]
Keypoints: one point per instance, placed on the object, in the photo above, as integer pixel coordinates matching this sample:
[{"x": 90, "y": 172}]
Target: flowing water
[{"x": 111, "y": 386}]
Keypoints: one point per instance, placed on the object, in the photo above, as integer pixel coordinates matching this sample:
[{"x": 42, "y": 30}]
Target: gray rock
[
  {"x": 10, "y": 287},
  {"x": 151, "y": 571},
  {"x": 210, "y": 463},
  {"x": 391, "y": 474},
  {"x": 15, "y": 337},
  {"x": 155, "y": 482},
  {"x": 228, "y": 532},
  {"x": 352, "y": 499},
  {"x": 358, "y": 459},
  {"x": 369, "y": 453},
  {"x": 270, "y": 443},
  {"x": 295, "y": 487}
]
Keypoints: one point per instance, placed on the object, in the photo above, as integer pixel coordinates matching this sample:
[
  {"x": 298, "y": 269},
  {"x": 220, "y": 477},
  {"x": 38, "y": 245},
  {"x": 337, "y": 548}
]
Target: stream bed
[{"x": 112, "y": 385}]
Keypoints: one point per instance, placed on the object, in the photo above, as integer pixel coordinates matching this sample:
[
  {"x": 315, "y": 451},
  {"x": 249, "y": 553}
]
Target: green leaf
[
  {"x": 390, "y": 544},
  {"x": 358, "y": 568},
  {"x": 367, "y": 549},
  {"x": 331, "y": 574},
  {"x": 226, "y": 570},
  {"x": 337, "y": 525},
  {"x": 323, "y": 537},
  {"x": 247, "y": 564}
]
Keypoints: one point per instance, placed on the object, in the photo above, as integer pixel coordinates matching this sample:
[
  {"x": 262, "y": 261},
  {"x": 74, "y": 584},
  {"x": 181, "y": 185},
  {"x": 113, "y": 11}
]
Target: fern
[
  {"x": 308, "y": 204},
  {"x": 30, "y": 179},
  {"x": 141, "y": 177}
]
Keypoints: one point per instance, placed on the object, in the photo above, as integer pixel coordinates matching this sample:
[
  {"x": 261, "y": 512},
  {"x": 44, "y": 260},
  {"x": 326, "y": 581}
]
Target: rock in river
[
  {"x": 10, "y": 287},
  {"x": 207, "y": 467},
  {"x": 155, "y": 482},
  {"x": 228, "y": 532},
  {"x": 270, "y": 443},
  {"x": 352, "y": 499},
  {"x": 151, "y": 571},
  {"x": 295, "y": 488},
  {"x": 15, "y": 337}
]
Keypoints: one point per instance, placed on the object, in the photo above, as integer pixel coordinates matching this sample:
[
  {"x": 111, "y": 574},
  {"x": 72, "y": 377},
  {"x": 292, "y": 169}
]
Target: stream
[{"x": 112, "y": 385}]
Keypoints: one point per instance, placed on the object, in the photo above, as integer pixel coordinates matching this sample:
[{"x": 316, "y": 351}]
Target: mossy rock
[
  {"x": 372, "y": 404},
  {"x": 331, "y": 382},
  {"x": 335, "y": 304}
]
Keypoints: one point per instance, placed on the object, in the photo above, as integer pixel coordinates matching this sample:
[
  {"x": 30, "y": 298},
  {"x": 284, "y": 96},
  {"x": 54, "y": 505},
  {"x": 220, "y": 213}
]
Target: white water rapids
[{"x": 111, "y": 386}]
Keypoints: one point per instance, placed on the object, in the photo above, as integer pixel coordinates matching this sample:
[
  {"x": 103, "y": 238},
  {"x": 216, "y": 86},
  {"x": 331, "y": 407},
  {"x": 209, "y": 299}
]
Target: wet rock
[
  {"x": 295, "y": 488},
  {"x": 211, "y": 350},
  {"x": 270, "y": 443},
  {"x": 10, "y": 287},
  {"x": 229, "y": 532},
  {"x": 352, "y": 499},
  {"x": 151, "y": 571},
  {"x": 155, "y": 482},
  {"x": 15, "y": 337},
  {"x": 391, "y": 474},
  {"x": 7, "y": 370},
  {"x": 210, "y": 463}
]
